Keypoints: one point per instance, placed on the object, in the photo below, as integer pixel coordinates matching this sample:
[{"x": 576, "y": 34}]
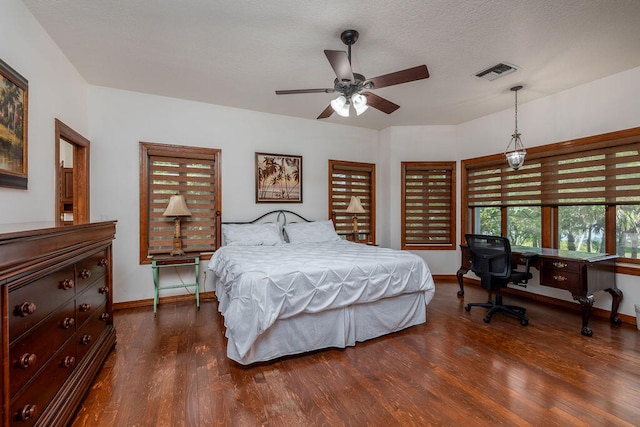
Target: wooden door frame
[{"x": 80, "y": 173}]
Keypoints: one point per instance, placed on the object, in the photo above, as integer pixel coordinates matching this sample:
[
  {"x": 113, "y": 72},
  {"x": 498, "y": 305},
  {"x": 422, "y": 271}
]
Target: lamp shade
[
  {"x": 355, "y": 206},
  {"x": 359, "y": 102},
  {"x": 340, "y": 106},
  {"x": 177, "y": 207}
]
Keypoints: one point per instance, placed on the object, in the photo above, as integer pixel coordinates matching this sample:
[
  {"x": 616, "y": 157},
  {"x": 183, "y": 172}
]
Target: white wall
[
  {"x": 414, "y": 143},
  {"x": 56, "y": 90},
  {"x": 606, "y": 105},
  {"x": 120, "y": 119}
]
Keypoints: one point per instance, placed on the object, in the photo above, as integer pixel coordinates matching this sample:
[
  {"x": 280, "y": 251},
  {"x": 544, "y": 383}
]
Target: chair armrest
[{"x": 529, "y": 256}]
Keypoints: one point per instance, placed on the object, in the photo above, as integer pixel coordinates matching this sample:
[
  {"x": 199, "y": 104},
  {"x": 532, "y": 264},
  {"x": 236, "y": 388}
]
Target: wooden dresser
[{"x": 57, "y": 323}]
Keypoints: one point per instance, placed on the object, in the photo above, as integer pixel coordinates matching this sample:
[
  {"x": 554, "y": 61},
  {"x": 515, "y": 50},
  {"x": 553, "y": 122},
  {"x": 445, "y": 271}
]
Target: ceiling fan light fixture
[
  {"x": 359, "y": 102},
  {"x": 340, "y": 106}
]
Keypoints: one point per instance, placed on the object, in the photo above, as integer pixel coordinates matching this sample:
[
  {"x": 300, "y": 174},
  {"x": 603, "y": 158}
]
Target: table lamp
[
  {"x": 177, "y": 208},
  {"x": 355, "y": 207}
]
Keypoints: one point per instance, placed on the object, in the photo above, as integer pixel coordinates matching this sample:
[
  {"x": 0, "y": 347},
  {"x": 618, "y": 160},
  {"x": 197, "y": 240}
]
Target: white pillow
[
  {"x": 267, "y": 234},
  {"x": 311, "y": 232}
]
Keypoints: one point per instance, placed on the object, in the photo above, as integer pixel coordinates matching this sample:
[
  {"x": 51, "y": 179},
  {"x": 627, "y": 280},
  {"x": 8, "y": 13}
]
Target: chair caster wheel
[
  {"x": 487, "y": 319},
  {"x": 524, "y": 322},
  {"x": 467, "y": 307}
]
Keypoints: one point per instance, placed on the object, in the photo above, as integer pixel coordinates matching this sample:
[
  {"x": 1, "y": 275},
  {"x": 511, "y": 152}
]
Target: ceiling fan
[{"x": 354, "y": 88}]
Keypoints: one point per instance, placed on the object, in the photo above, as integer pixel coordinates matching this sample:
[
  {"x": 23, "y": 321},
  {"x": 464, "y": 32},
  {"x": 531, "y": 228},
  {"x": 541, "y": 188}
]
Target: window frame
[
  {"x": 433, "y": 167},
  {"x": 549, "y": 220},
  {"x": 147, "y": 151},
  {"x": 342, "y": 221}
]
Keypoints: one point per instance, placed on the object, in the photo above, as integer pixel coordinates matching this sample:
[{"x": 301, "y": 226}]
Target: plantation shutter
[
  {"x": 597, "y": 173},
  {"x": 428, "y": 204},
  {"x": 192, "y": 173},
  {"x": 348, "y": 179}
]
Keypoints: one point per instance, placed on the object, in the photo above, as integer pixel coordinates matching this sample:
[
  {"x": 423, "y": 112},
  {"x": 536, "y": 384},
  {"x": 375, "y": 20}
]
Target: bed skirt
[{"x": 339, "y": 328}]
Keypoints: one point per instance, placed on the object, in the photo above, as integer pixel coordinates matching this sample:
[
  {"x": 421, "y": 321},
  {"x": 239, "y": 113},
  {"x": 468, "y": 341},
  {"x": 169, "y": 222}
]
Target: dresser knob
[
  {"x": 68, "y": 362},
  {"x": 25, "y": 309},
  {"x": 67, "y": 323},
  {"x": 103, "y": 262},
  {"x": 104, "y": 317},
  {"x": 27, "y": 412},
  {"x": 85, "y": 274},
  {"x": 103, "y": 290},
  {"x": 85, "y": 307},
  {"x": 559, "y": 264},
  {"x": 560, "y": 278},
  {"x": 66, "y": 284},
  {"x": 26, "y": 360},
  {"x": 85, "y": 340}
]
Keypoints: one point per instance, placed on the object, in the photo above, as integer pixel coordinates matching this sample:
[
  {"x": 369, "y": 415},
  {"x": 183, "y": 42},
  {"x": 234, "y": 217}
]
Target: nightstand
[{"x": 158, "y": 262}]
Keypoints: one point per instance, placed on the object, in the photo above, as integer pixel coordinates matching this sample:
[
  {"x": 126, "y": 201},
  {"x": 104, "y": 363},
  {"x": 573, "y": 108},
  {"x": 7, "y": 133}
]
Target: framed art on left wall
[
  {"x": 278, "y": 178},
  {"x": 13, "y": 127}
]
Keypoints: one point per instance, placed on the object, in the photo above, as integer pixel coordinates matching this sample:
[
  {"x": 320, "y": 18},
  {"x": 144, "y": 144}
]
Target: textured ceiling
[{"x": 237, "y": 53}]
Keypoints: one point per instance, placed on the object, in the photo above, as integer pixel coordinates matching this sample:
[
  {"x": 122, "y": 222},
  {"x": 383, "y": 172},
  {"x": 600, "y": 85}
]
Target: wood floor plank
[{"x": 454, "y": 370}]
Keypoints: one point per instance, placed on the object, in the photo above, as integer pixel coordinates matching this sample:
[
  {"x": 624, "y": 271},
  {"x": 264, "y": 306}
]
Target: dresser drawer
[
  {"x": 90, "y": 300},
  {"x": 31, "y": 303},
  {"x": 31, "y": 351},
  {"x": 561, "y": 265},
  {"x": 90, "y": 269},
  {"x": 561, "y": 279},
  {"x": 91, "y": 330},
  {"x": 28, "y": 405}
]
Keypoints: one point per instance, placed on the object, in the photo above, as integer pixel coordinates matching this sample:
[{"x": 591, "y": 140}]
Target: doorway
[{"x": 72, "y": 176}]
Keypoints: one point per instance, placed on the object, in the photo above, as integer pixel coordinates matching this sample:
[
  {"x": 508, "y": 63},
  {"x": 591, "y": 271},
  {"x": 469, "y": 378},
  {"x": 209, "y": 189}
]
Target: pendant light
[{"x": 515, "y": 156}]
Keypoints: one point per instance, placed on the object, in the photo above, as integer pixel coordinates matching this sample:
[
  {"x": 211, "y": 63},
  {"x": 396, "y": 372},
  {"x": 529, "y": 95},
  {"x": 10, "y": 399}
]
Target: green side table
[{"x": 158, "y": 262}]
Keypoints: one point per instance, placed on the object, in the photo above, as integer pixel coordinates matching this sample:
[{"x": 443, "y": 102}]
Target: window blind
[
  {"x": 193, "y": 178},
  {"x": 428, "y": 203},
  {"x": 590, "y": 174},
  {"x": 348, "y": 179},
  {"x": 192, "y": 172}
]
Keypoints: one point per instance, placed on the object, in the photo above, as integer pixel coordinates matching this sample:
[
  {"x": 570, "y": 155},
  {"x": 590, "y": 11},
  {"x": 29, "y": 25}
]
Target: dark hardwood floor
[{"x": 453, "y": 370}]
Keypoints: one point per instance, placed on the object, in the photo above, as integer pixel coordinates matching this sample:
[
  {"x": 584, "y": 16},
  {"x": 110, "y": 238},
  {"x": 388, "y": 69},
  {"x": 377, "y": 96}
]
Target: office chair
[{"x": 491, "y": 261}]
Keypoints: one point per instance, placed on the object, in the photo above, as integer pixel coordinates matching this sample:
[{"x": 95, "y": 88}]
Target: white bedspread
[{"x": 261, "y": 284}]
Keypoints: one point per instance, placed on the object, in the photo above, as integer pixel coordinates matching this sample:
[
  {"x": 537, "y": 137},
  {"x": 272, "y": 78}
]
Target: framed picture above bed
[
  {"x": 278, "y": 178},
  {"x": 13, "y": 128}
]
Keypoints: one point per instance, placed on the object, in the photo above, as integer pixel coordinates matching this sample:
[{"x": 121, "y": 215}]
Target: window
[
  {"x": 586, "y": 194},
  {"x": 348, "y": 179},
  {"x": 428, "y": 206},
  {"x": 523, "y": 226},
  {"x": 192, "y": 172}
]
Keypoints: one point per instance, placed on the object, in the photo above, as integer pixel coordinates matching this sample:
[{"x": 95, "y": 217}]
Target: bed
[{"x": 292, "y": 286}]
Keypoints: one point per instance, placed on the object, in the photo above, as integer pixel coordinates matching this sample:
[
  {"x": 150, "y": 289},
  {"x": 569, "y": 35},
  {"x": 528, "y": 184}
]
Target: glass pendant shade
[
  {"x": 359, "y": 103},
  {"x": 340, "y": 106},
  {"x": 515, "y": 157}
]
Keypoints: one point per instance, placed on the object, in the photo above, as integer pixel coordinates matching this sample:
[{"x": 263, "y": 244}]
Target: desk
[
  {"x": 174, "y": 261},
  {"x": 582, "y": 274}
]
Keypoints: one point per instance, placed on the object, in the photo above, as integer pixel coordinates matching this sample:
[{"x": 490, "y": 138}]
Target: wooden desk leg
[
  {"x": 461, "y": 272},
  {"x": 617, "y": 296},
  {"x": 586, "y": 302}
]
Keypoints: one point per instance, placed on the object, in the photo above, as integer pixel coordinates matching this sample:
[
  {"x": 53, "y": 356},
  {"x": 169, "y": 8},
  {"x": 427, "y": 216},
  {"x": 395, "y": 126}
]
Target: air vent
[{"x": 497, "y": 71}]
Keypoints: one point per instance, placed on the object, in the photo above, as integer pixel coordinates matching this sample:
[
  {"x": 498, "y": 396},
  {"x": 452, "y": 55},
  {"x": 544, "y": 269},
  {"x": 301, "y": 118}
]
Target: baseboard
[
  {"x": 163, "y": 300},
  {"x": 574, "y": 306}
]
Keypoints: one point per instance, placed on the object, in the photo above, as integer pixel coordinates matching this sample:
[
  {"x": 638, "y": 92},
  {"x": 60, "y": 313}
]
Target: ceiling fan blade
[
  {"x": 326, "y": 113},
  {"x": 340, "y": 64},
  {"x": 380, "y": 103},
  {"x": 405, "y": 76},
  {"x": 297, "y": 91}
]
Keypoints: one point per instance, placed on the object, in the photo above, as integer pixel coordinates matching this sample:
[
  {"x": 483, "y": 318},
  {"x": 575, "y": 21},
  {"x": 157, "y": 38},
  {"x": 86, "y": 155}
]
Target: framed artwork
[
  {"x": 13, "y": 128},
  {"x": 278, "y": 178}
]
